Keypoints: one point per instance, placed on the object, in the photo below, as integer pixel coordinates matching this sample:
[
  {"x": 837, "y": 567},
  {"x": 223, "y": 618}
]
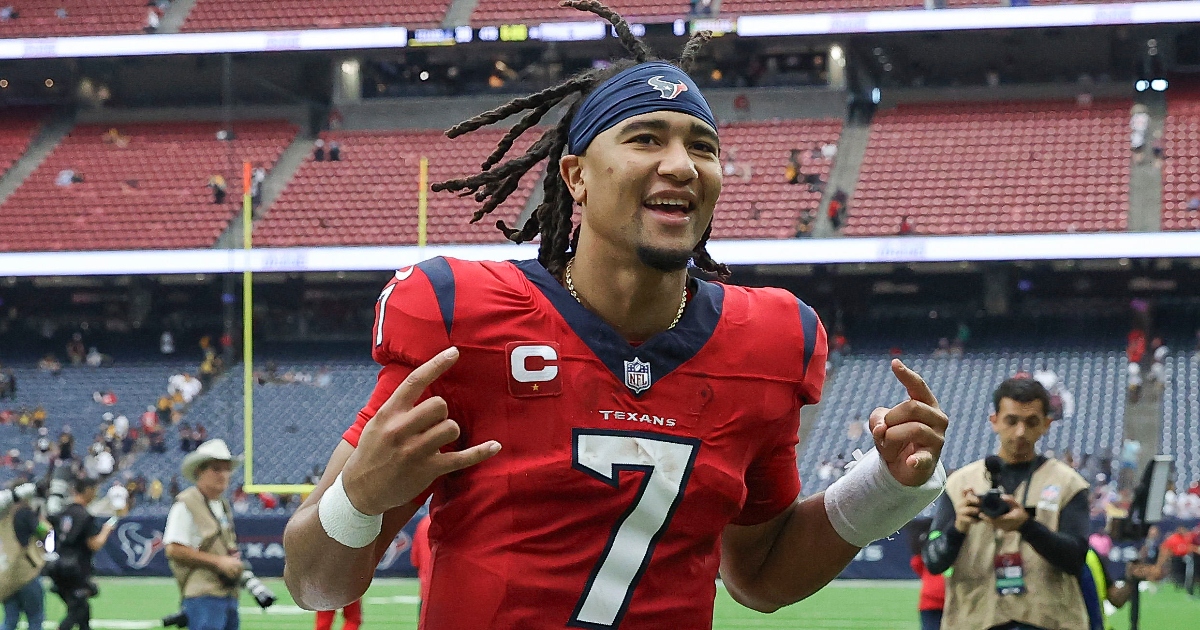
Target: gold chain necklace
[{"x": 571, "y": 288}]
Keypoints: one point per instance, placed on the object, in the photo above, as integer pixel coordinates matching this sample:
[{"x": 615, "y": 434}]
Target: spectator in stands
[
  {"x": 158, "y": 441},
  {"x": 107, "y": 398},
  {"x": 324, "y": 377},
  {"x": 66, "y": 444},
  {"x": 114, "y": 137},
  {"x": 1193, "y": 203},
  {"x": 185, "y": 437},
  {"x": 105, "y": 463},
  {"x": 335, "y": 151},
  {"x": 733, "y": 167},
  {"x": 173, "y": 488},
  {"x": 41, "y": 447},
  {"x": 163, "y": 409},
  {"x": 8, "y": 13},
  {"x": 38, "y": 417},
  {"x": 1139, "y": 122},
  {"x": 153, "y": 18},
  {"x": 1039, "y": 552},
  {"x": 96, "y": 359},
  {"x": 319, "y": 150},
  {"x": 149, "y": 420},
  {"x": 1158, "y": 367},
  {"x": 66, "y": 177},
  {"x": 155, "y": 490},
  {"x": 8, "y": 384},
  {"x": 792, "y": 172},
  {"x": 50, "y": 363},
  {"x": 217, "y": 183},
  {"x": 166, "y": 343},
  {"x": 199, "y": 434},
  {"x": 804, "y": 223},
  {"x": 906, "y": 227},
  {"x": 256, "y": 179},
  {"x": 1134, "y": 381},
  {"x": 838, "y": 209},
  {"x": 76, "y": 352}
]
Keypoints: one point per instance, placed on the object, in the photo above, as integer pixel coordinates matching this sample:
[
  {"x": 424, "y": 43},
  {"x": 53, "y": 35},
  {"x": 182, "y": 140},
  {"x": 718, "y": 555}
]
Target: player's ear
[{"x": 571, "y": 171}]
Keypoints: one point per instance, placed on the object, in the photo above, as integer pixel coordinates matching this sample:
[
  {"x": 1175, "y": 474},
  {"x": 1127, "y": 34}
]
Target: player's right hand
[
  {"x": 399, "y": 453},
  {"x": 968, "y": 514}
]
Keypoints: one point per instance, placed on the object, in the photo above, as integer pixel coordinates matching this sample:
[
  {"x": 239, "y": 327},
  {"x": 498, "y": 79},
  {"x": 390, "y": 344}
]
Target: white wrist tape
[
  {"x": 868, "y": 503},
  {"x": 343, "y": 522}
]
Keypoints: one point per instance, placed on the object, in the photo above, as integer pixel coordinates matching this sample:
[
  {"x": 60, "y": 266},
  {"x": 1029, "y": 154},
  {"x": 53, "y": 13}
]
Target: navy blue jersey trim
[
  {"x": 442, "y": 278},
  {"x": 808, "y": 324},
  {"x": 664, "y": 352}
]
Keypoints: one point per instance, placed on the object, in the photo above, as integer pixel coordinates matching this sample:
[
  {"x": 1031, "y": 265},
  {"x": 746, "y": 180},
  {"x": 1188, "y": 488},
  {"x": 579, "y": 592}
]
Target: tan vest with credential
[
  {"x": 1052, "y": 598},
  {"x": 19, "y": 565},
  {"x": 199, "y": 581}
]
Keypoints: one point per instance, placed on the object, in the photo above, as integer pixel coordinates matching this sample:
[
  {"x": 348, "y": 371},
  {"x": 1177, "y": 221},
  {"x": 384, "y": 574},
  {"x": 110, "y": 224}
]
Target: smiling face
[{"x": 648, "y": 185}]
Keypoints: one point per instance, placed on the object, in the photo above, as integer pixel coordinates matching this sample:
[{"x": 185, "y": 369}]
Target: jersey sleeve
[
  {"x": 773, "y": 478},
  {"x": 414, "y": 318},
  {"x": 815, "y": 355}
]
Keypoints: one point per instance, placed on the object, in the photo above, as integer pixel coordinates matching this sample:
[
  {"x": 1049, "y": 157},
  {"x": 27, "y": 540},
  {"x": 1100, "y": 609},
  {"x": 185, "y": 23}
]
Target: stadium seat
[
  {"x": 151, "y": 194},
  {"x": 973, "y": 168},
  {"x": 231, "y": 15}
]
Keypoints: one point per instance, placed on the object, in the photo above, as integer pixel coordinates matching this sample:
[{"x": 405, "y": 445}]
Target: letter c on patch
[{"x": 519, "y": 364}]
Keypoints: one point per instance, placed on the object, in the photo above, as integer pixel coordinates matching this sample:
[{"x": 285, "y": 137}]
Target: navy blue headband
[{"x": 648, "y": 87}]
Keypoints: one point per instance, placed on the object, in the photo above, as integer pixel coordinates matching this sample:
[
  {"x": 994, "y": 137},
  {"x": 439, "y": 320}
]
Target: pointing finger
[
  {"x": 466, "y": 458},
  {"x": 418, "y": 381},
  {"x": 916, "y": 386}
]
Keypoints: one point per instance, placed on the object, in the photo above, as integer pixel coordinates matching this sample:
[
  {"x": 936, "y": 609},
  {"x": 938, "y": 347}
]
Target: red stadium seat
[
  {"x": 150, "y": 194},
  {"x": 1013, "y": 167}
]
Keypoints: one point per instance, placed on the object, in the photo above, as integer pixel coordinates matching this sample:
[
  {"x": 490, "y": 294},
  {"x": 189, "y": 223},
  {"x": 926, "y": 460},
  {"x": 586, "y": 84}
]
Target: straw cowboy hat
[{"x": 212, "y": 450}]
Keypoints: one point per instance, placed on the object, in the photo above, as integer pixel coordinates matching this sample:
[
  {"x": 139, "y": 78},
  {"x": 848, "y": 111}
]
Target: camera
[
  {"x": 247, "y": 580},
  {"x": 992, "y": 504},
  {"x": 261, "y": 593},
  {"x": 175, "y": 619}
]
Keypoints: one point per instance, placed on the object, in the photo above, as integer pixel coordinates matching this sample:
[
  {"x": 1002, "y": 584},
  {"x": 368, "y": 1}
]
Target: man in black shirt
[
  {"x": 77, "y": 536},
  {"x": 1023, "y": 559}
]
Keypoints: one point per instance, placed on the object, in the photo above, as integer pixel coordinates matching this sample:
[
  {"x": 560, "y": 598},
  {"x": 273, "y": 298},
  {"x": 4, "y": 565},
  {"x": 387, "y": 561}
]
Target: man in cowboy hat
[{"x": 201, "y": 543}]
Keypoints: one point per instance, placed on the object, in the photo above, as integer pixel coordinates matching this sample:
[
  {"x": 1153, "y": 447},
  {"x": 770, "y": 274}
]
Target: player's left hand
[
  {"x": 910, "y": 435},
  {"x": 1010, "y": 521}
]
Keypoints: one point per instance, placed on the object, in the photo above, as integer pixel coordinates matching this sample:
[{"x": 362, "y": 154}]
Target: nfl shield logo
[{"x": 637, "y": 375}]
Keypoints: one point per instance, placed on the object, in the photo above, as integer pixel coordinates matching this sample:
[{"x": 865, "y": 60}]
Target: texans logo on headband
[
  {"x": 669, "y": 90},
  {"x": 654, "y": 86}
]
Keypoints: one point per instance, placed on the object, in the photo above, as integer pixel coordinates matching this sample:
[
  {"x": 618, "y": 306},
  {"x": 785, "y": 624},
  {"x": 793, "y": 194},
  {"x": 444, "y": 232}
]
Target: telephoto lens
[{"x": 261, "y": 593}]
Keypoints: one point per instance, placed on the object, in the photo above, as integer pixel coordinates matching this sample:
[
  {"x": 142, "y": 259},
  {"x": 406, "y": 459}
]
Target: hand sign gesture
[
  {"x": 399, "y": 453},
  {"x": 910, "y": 435}
]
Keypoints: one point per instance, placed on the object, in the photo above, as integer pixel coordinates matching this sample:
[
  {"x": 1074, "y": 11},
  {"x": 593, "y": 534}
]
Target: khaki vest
[
  {"x": 18, "y": 565},
  {"x": 1052, "y": 598},
  {"x": 199, "y": 581}
]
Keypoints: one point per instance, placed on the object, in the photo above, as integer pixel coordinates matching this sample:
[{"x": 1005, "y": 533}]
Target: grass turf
[{"x": 138, "y": 604}]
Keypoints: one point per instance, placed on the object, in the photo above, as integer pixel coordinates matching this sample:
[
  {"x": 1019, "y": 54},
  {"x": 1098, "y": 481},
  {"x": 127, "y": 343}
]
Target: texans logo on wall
[
  {"x": 401, "y": 543},
  {"x": 139, "y": 548}
]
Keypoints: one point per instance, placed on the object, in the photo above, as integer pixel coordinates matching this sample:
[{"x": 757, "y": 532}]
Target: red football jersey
[{"x": 621, "y": 464}]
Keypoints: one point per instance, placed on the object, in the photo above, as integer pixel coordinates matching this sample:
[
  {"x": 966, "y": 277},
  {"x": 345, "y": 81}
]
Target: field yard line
[
  {"x": 109, "y": 624},
  {"x": 278, "y": 609}
]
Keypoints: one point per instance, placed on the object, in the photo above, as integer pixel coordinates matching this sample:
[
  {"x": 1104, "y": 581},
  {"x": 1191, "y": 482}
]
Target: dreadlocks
[{"x": 552, "y": 218}]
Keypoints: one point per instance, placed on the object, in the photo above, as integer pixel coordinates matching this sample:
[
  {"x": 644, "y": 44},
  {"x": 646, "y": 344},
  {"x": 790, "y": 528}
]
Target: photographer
[
  {"x": 201, "y": 542},
  {"x": 77, "y": 535},
  {"x": 1013, "y": 527},
  {"x": 21, "y": 535}
]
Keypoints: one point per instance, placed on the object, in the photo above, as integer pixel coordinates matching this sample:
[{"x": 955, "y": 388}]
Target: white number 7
[{"x": 666, "y": 463}]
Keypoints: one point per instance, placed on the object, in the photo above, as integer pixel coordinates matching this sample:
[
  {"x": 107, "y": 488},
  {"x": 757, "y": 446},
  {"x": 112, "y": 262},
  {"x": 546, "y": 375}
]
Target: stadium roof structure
[
  {"x": 896, "y": 21},
  {"x": 908, "y": 249}
]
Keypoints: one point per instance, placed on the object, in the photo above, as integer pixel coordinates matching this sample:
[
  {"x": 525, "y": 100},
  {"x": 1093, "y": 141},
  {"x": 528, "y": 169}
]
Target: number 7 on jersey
[{"x": 666, "y": 464}]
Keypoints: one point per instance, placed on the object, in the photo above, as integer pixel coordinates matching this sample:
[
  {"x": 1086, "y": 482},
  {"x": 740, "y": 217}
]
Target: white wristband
[
  {"x": 343, "y": 522},
  {"x": 868, "y": 503}
]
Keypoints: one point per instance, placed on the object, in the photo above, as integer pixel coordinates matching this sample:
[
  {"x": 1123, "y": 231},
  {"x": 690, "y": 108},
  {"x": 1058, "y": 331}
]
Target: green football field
[{"x": 137, "y": 604}]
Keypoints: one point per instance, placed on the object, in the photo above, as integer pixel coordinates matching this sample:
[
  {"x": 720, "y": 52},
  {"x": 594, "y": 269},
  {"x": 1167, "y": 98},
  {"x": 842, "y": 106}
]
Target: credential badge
[{"x": 637, "y": 375}]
